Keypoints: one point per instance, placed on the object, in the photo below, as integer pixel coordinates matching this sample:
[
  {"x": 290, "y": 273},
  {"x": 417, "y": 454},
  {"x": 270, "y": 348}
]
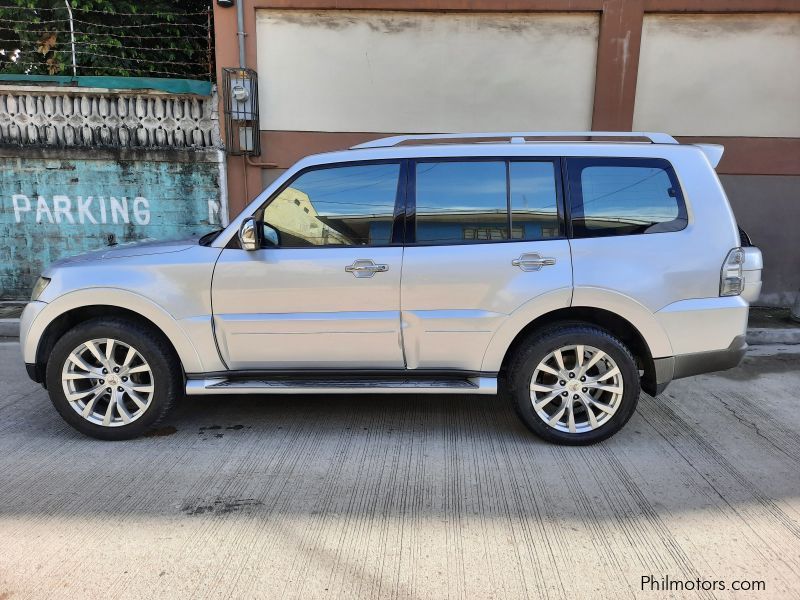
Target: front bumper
[
  {"x": 695, "y": 363},
  {"x": 28, "y": 345}
]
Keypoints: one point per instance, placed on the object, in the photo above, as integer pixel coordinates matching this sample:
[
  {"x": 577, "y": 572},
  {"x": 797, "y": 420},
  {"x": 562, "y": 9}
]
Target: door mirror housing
[{"x": 249, "y": 237}]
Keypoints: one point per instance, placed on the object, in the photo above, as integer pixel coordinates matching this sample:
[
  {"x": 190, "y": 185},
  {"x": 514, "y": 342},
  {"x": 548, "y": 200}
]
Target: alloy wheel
[
  {"x": 576, "y": 389},
  {"x": 107, "y": 382}
]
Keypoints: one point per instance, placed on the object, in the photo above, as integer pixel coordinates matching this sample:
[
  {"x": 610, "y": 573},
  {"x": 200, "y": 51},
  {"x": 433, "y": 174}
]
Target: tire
[
  {"x": 144, "y": 391},
  {"x": 530, "y": 383}
]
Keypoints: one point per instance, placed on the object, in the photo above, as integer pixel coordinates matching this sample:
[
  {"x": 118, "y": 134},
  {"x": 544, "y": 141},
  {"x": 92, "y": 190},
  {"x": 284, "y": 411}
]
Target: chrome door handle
[
  {"x": 365, "y": 268},
  {"x": 533, "y": 261}
]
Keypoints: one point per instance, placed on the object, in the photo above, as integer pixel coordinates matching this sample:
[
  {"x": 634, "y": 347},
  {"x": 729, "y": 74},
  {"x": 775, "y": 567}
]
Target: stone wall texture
[{"x": 56, "y": 117}]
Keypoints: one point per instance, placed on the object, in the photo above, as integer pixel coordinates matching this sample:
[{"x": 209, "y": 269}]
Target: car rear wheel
[
  {"x": 112, "y": 378},
  {"x": 574, "y": 384}
]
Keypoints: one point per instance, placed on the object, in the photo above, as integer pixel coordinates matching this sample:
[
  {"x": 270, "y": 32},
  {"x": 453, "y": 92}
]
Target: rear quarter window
[{"x": 624, "y": 196}]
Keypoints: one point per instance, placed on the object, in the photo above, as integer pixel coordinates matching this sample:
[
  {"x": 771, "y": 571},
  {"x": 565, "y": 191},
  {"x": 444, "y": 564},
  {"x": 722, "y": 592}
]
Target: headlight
[{"x": 38, "y": 287}]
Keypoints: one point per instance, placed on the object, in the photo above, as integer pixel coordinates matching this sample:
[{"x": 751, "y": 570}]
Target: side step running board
[{"x": 472, "y": 385}]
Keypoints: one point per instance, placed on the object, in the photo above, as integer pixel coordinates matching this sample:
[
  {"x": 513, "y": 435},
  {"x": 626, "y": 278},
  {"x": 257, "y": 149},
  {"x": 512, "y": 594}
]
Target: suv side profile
[{"x": 567, "y": 274}]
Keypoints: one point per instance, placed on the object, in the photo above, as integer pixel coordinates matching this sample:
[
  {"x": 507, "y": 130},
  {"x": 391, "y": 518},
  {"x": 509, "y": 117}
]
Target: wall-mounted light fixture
[
  {"x": 225, "y": 3},
  {"x": 240, "y": 96}
]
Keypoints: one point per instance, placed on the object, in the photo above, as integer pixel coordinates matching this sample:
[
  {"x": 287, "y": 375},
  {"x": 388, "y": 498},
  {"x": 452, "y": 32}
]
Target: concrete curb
[
  {"x": 9, "y": 328},
  {"x": 758, "y": 336},
  {"x": 755, "y": 336}
]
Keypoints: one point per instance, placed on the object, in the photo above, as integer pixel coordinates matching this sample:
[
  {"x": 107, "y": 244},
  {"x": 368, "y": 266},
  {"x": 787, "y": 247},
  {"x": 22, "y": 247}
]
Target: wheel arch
[
  {"x": 605, "y": 319},
  {"x": 60, "y": 316}
]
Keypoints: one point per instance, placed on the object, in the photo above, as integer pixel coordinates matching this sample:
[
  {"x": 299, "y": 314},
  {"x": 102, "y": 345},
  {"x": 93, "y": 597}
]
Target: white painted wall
[
  {"x": 425, "y": 72},
  {"x": 711, "y": 75}
]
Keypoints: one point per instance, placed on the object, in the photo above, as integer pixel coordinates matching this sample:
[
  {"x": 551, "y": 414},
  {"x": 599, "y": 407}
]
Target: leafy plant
[{"x": 164, "y": 38}]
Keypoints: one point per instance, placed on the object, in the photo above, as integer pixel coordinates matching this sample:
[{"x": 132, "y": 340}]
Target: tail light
[{"x": 731, "y": 281}]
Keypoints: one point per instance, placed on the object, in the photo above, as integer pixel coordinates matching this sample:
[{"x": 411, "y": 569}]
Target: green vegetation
[{"x": 146, "y": 38}]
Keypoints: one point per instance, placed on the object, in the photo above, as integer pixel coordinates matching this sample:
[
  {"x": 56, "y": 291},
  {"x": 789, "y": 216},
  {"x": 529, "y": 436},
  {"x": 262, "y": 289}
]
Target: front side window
[
  {"x": 335, "y": 206},
  {"x": 624, "y": 196}
]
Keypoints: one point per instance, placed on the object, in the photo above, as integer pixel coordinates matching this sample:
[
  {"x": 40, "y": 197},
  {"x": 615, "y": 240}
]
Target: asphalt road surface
[{"x": 406, "y": 497}]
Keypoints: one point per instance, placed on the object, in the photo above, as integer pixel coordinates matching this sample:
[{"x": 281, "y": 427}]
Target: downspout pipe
[{"x": 240, "y": 33}]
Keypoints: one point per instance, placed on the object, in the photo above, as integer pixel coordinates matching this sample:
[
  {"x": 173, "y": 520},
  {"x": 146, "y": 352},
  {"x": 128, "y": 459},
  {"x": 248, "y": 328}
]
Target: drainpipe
[{"x": 240, "y": 33}]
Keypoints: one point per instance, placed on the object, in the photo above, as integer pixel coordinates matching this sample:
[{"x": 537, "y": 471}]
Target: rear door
[{"x": 483, "y": 237}]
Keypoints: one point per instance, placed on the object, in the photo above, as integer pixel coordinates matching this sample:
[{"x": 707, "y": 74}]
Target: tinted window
[
  {"x": 338, "y": 206},
  {"x": 624, "y": 196},
  {"x": 458, "y": 202},
  {"x": 534, "y": 208}
]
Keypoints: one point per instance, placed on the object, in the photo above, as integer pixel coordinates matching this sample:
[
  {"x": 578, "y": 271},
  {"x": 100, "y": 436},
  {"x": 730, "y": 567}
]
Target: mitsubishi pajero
[{"x": 566, "y": 271}]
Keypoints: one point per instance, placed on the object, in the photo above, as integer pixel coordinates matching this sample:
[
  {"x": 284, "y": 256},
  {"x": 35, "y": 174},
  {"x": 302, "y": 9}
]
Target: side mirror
[{"x": 249, "y": 235}]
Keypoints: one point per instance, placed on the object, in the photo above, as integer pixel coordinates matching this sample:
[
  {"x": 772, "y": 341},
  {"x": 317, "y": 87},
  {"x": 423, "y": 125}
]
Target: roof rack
[{"x": 519, "y": 137}]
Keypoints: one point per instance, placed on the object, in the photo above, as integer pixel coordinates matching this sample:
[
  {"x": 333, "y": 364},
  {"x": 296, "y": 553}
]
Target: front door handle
[
  {"x": 365, "y": 267},
  {"x": 533, "y": 261}
]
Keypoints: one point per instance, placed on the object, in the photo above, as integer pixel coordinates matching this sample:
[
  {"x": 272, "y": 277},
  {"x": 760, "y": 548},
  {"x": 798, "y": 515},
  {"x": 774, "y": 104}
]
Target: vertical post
[
  {"x": 240, "y": 33},
  {"x": 208, "y": 44},
  {"x": 72, "y": 37},
  {"x": 617, "y": 64}
]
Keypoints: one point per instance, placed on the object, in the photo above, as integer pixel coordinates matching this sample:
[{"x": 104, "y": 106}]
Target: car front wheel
[{"x": 113, "y": 378}]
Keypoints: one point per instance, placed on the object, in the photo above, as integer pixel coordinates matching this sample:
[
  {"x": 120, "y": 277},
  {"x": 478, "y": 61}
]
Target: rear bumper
[
  {"x": 695, "y": 363},
  {"x": 687, "y": 365}
]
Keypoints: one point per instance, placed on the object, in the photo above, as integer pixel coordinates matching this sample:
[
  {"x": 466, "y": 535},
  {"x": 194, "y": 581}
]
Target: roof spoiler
[{"x": 713, "y": 152}]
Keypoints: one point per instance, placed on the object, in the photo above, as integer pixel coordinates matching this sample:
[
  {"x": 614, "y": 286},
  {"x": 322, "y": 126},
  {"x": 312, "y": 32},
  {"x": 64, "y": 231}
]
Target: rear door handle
[
  {"x": 365, "y": 267},
  {"x": 533, "y": 261}
]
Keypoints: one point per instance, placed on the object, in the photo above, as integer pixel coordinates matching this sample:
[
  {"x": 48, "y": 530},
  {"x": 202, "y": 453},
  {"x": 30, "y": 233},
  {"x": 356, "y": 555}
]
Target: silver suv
[{"x": 568, "y": 275}]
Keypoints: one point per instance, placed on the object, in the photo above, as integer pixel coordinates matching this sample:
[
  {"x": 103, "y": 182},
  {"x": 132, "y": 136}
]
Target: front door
[{"x": 324, "y": 289}]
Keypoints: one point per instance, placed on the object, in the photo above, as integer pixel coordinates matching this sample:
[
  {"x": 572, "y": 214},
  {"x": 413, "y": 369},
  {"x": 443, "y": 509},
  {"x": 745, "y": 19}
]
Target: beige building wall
[
  {"x": 720, "y": 75},
  {"x": 425, "y": 72}
]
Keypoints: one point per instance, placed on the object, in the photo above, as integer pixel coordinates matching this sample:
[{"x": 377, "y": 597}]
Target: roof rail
[{"x": 519, "y": 137}]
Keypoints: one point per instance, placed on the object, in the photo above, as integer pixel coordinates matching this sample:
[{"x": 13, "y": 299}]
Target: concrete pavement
[{"x": 405, "y": 497}]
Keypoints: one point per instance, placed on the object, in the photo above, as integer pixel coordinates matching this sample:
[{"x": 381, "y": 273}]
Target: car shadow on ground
[{"x": 300, "y": 446}]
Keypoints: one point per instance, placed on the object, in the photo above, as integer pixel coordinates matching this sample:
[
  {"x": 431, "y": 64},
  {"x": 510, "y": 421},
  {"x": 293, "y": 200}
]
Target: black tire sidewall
[
  {"x": 539, "y": 347},
  {"x": 166, "y": 375}
]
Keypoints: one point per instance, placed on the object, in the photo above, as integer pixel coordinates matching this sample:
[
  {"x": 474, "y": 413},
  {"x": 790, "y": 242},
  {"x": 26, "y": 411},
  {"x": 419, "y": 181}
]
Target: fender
[
  {"x": 184, "y": 334},
  {"x": 518, "y": 320},
  {"x": 630, "y": 309},
  {"x": 589, "y": 297}
]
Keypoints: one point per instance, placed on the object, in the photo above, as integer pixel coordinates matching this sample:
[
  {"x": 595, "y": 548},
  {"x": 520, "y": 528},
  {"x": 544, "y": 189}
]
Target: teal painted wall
[{"x": 56, "y": 207}]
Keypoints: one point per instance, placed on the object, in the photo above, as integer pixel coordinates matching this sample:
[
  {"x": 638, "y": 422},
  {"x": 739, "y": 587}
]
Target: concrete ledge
[
  {"x": 9, "y": 328},
  {"x": 755, "y": 336},
  {"x": 767, "y": 335}
]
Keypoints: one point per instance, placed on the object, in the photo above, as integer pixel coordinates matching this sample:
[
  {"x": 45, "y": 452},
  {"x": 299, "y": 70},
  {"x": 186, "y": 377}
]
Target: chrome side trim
[{"x": 472, "y": 385}]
